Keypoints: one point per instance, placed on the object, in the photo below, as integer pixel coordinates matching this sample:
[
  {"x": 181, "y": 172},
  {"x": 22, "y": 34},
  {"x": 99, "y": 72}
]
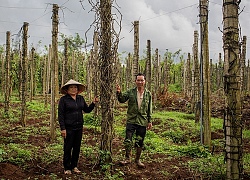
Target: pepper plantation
[{"x": 201, "y": 109}]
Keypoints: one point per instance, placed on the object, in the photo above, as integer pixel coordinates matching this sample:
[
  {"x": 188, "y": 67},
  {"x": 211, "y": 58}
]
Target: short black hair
[{"x": 140, "y": 74}]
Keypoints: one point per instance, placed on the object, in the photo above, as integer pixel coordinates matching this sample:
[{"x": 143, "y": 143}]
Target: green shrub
[
  {"x": 52, "y": 153},
  {"x": 19, "y": 153},
  {"x": 194, "y": 150},
  {"x": 246, "y": 163},
  {"x": 90, "y": 119},
  {"x": 212, "y": 166},
  {"x": 37, "y": 106},
  {"x": 2, "y": 153},
  {"x": 177, "y": 136},
  {"x": 174, "y": 88}
]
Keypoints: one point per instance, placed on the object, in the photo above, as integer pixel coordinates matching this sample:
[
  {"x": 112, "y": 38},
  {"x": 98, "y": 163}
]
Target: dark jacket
[{"x": 70, "y": 111}]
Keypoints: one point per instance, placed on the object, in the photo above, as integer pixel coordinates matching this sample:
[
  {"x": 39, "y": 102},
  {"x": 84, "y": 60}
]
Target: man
[{"x": 138, "y": 117}]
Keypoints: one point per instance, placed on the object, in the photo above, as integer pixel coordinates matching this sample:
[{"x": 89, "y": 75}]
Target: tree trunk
[{"x": 233, "y": 114}]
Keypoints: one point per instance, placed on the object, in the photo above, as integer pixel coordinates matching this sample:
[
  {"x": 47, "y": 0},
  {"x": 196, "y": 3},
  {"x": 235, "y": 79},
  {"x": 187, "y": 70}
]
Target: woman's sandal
[
  {"x": 67, "y": 172},
  {"x": 76, "y": 170}
]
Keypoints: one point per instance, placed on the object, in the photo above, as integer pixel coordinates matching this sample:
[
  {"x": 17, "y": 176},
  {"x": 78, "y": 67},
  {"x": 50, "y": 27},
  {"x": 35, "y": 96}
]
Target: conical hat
[{"x": 80, "y": 86}]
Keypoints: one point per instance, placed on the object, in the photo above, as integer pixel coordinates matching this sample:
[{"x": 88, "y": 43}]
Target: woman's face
[{"x": 72, "y": 90}]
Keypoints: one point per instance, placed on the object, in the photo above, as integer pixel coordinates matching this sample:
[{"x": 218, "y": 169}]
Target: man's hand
[
  {"x": 118, "y": 88},
  {"x": 63, "y": 133},
  {"x": 150, "y": 125}
]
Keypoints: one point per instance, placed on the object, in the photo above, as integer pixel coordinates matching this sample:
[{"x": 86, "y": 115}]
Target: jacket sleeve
[
  {"x": 61, "y": 115},
  {"x": 122, "y": 97},
  {"x": 86, "y": 108}
]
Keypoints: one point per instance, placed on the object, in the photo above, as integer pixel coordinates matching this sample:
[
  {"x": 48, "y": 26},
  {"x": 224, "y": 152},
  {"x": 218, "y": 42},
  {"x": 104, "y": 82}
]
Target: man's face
[{"x": 140, "y": 81}]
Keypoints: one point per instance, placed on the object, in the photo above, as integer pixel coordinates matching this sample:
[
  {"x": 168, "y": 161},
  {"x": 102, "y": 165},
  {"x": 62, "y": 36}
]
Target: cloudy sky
[{"x": 168, "y": 24}]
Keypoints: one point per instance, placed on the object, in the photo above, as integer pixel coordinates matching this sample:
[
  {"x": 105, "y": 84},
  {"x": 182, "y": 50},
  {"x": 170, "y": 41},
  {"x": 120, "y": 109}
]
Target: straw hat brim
[{"x": 80, "y": 86}]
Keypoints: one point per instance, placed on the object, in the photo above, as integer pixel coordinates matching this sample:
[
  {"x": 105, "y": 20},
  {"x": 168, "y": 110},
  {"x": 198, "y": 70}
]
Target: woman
[{"x": 70, "y": 116}]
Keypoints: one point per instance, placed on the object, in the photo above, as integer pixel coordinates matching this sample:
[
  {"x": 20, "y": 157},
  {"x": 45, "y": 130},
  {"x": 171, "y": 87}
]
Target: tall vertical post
[
  {"x": 136, "y": 49},
  {"x": 65, "y": 71},
  {"x": 95, "y": 69},
  {"x": 24, "y": 74},
  {"x": 205, "y": 117},
  {"x": 32, "y": 91},
  {"x": 107, "y": 60},
  {"x": 129, "y": 71},
  {"x": 148, "y": 68},
  {"x": 7, "y": 76},
  {"x": 233, "y": 111},
  {"x": 248, "y": 77},
  {"x": 54, "y": 77},
  {"x": 195, "y": 79},
  {"x": 243, "y": 65}
]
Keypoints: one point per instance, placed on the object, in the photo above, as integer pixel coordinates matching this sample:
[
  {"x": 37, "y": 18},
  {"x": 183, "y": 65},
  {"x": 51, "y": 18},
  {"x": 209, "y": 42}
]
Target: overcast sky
[{"x": 169, "y": 24}]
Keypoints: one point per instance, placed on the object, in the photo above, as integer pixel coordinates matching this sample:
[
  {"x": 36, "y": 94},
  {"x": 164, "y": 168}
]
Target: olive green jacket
[{"x": 135, "y": 115}]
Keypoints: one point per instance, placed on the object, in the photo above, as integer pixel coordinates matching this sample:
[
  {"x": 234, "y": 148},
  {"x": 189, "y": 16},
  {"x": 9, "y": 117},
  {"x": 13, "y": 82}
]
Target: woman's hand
[
  {"x": 118, "y": 88},
  {"x": 96, "y": 100}
]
